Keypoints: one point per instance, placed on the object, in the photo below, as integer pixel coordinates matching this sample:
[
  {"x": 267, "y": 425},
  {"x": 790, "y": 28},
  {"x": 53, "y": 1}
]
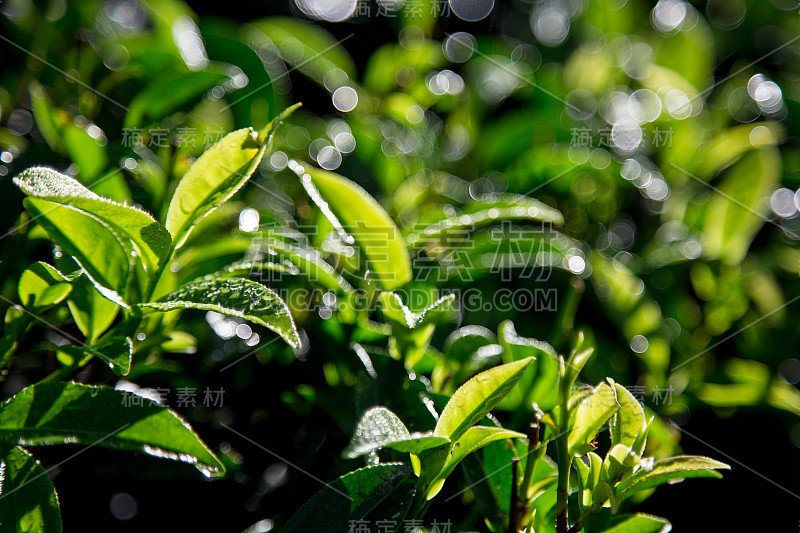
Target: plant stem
[
  {"x": 530, "y": 461},
  {"x": 562, "y": 452},
  {"x": 515, "y": 509}
]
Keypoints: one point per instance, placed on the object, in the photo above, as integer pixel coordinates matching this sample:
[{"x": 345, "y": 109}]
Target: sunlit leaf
[
  {"x": 93, "y": 245},
  {"x": 72, "y": 413},
  {"x": 394, "y": 308},
  {"x": 381, "y": 428},
  {"x": 233, "y": 297},
  {"x": 362, "y": 217},
  {"x": 471, "y": 441},
  {"x": 629, "y": 421},
  {"x": 667, "y": 470},
  {"x": 593, "y": 411},
  {"x": 475, "y": 398},
  {"x": 28, "y": 500},
  {"x": 151, "y": 239},
  {"x": 216, "y": 176},
  {"x": 41, "y": 285}
]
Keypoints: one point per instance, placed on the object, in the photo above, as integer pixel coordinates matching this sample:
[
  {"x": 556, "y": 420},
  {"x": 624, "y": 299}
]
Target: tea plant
[{"x": 115, "y": 257}]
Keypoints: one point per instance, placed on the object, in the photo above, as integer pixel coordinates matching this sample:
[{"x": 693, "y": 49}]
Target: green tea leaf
[
  {"x": 311, "y": 263},
  {"x": 41, "y": 286},
  {"x": 629, "y": 523},
  {"x": 28, "y": 500},
  {"x": 92, "y": 312},
  {"x": 234, "y": 297},
  {"x": 475, "y": 398},
  {"x": 667, "y": 470},
  {"x": 381, "y": 428},
  {"x": 629, "y": 421},
  {"x": 114, "y": 351},
  {"x": 488, "y": 209},
  {"x": 91, "y": 243},
  {"x": 151, "y": 239},
  {"x": 362, "y": 217},
  {"x": 72, "y": 413},
  {"x": 394, "y": 308},
  {"x": 472, "y": 440},
  {"x": 381, "y": 492},
  {"x": 593, "y": 411},
  {"x": 216, "y": 176}
]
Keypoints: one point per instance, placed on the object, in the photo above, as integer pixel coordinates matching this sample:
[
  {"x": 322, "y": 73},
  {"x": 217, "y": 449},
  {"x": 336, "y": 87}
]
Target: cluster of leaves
[
  {"x": 86, "y": 227},
  {"x": 453, "y": 170}
]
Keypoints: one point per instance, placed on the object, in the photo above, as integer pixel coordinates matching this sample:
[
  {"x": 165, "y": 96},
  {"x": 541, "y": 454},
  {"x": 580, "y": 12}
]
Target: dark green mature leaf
[
  {"x": 666, "y": 470},
  {"x": 216, "y": 176},
  {"x": 234, "y": 297},
  {"x": 66, "y": 413},
  {"x": 362, "y": 217},
  {"x": 381, "y": 428},
  {"x": 628, "y": 523},
  {"x": 167, "y": 95},
  {"x": 41, "y": 285},
  {"x": 28, "y": 500},
  {"x": 629, "y": 421},
  {"x": 114, "y": 351},
  {"x": 593, "y": 411},
  {"x": 381, "y": 492},
  {"x": 475, "y": 398},
  {"x": 472, "y": 440},
  {"x": 151, "y": 239},
  {"x": 93, "y": 245}
]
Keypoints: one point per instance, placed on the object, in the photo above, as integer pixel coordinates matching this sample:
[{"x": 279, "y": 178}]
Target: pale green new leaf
[
  {"x": 629, "y": 421},
  {"x": 666, "y": 470},
  {"x": 472, "y": 440},
  {"x": 234, "y": 297},
  {"x": 631, "y": 523},
  {"x": 593, "y": 411},
  {"x": 216, "y": 176},
  {"x": 93, "y": 244},
  {"x": 41, "y": 285},
  {"x": 381, "y": 428},
  {"x": 475, "y": 398},
  {"x": 151, "y": 239}
]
